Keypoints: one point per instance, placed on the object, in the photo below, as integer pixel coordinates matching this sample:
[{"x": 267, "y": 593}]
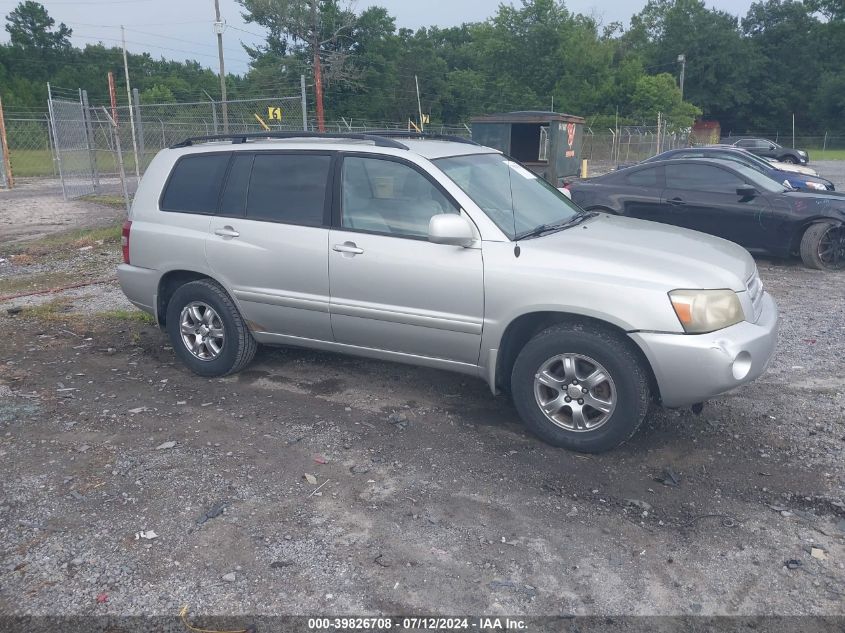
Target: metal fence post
[
  {"x": 53, "y": 127},
  {"x": 140, "y": 123},
  {"x": 304, "y": 103},
  {"x": 119, "y": 157},
  {"x": 6, "y": 171},
  {"x": 51, "y": 146},
  {"x": 89, "y": 139}
]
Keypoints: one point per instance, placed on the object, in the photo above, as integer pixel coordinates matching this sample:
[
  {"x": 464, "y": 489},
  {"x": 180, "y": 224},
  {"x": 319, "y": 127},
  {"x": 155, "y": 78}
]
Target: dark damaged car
[{"x": 728, "y": 200}]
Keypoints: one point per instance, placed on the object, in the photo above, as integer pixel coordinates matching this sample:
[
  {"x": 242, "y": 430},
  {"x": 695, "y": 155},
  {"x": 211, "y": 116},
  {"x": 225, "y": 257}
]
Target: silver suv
[{"x": 443, "y": 253}]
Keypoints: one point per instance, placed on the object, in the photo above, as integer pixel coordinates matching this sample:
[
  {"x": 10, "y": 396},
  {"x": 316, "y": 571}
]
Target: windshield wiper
[{"x": 557, "y": 226}]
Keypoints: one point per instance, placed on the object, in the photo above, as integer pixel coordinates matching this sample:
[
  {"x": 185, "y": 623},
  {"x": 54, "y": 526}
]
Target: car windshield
[
  {"x": 515, "y": 199},
  {"x": 759, "y": 180}
]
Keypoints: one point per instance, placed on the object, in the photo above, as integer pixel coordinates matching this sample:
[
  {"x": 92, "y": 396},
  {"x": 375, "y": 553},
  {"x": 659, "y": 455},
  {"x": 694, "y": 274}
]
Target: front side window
[
  {"x": 697, "y": 177},
  {"x": 386, "y": 196},
  {"x": 513, "y": 197},
  {"x": 194, "y": 184},
  {"x": 288, "y": 188}
]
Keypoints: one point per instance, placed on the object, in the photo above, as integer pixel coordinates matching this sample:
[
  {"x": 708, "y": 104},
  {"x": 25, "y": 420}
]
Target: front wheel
[
  {"x": 823, "y": 246},
  {"x": 788, "y": 159},
  {"x": 580, "y": 388},
  {"x": 207, "y": 331}
]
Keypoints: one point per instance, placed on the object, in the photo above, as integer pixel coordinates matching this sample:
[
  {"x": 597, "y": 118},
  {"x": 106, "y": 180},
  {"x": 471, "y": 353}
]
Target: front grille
[{"x": 754, "y": 285}]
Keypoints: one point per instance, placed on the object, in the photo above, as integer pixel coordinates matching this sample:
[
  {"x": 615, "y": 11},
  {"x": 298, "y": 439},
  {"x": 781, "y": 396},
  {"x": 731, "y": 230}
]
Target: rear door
[
  {"x": 392, "y": 289},
  {"x": 268, "y": 244},
  {"x": 704, "y": 198},
  {"x": 641, "y": 194}
]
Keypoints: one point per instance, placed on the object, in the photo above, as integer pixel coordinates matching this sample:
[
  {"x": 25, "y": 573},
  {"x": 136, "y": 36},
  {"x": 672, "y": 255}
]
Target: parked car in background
[
  {"x": 727, "y": 199},
  {"x": 769, "y": 149},
  {"x": 441, "y": 253},
  {"x": 789, "y": 179}
]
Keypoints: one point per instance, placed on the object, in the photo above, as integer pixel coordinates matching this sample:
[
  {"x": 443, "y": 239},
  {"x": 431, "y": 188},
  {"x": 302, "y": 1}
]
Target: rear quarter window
[{"x": 194, "y": 184}]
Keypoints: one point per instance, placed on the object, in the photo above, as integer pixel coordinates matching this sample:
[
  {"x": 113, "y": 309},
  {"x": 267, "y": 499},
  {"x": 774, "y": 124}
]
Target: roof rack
[
  {"x": 237, "y": 138},
  {"x": 422, "y": 135}
]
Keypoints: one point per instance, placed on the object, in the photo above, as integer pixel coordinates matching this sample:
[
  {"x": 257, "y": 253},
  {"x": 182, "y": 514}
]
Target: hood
[
  {"x": 649, "y": 253},
  {"x": 797, "y": 169}
]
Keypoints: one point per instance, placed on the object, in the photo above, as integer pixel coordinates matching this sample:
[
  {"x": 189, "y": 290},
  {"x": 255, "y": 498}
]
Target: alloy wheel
[
  {"x": 202, "y": 330},
  {"x": 575, "y": 392}
]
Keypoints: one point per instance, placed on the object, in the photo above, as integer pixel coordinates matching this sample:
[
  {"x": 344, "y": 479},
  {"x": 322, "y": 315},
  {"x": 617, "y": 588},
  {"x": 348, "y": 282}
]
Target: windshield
[
  {"x": 513, "y": 197},
  {"x": 759, "y": 180}
]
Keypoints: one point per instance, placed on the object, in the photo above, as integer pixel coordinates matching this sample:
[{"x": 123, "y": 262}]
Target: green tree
[
  {"x": 30, "y": 27},
  {"x": 660, "y": 93},
  {"x": 716, "y": 79}
]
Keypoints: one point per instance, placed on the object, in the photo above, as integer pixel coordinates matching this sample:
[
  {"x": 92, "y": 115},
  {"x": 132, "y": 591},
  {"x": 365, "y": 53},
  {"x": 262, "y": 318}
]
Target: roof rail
[
  {"x": 238, "y": 138},
  {"x": 422, "y": 135}
]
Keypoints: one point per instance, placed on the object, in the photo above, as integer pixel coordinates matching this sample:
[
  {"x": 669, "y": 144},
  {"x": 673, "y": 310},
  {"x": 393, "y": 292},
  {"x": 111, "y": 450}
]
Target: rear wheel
[
  {"x": 823, "y": 246},
  {"x": 207, "y": 331},
  {"x": 580, "y": 388}
]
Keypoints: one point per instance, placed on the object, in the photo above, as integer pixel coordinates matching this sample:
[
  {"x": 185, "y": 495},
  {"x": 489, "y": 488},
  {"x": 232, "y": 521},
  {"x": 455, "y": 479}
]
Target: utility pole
[
  {"x": 682, "y": 59},
  {"x": 318, "y": 73},
  {"x": 218, "y": 28},
  {"x": 419, "y": 103},
  {"x": 129, "y": 103}
]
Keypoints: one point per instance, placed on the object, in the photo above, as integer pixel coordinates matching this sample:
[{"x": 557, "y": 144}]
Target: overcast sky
[{"x": 182, "y": 29}]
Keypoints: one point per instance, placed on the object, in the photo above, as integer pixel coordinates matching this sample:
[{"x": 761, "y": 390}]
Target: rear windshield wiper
[{"x": 557, "y": 226}]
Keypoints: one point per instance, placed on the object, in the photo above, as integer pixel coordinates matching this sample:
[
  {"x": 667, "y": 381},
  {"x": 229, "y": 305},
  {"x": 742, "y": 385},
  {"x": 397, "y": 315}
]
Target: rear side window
[
  {"x": 194, "y": 184},
  {"x": 289, "y": 188},
  {"x": 643, "y": 178}
]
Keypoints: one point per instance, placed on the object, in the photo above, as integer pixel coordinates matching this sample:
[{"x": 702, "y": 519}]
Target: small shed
[
  {"x": 706, "y": 132},
  {"x": 548, "y": 143}
]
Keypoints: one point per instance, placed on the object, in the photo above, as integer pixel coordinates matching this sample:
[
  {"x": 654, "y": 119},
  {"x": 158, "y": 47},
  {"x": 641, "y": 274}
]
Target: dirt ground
[{"x": 429, "y": 494}]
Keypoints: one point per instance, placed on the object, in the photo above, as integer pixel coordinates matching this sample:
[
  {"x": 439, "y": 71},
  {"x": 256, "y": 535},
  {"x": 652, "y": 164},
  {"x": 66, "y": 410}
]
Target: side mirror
[
  {"x": 450, "y": 228},
  {"x": 746, "y": 191}
]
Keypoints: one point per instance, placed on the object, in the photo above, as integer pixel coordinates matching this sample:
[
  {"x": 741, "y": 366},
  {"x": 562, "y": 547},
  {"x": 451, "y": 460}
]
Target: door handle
[
  {"x": 227, "y": 231},
  {"x": 676, "y": 202},
  {"x": 348, "y": 247}
]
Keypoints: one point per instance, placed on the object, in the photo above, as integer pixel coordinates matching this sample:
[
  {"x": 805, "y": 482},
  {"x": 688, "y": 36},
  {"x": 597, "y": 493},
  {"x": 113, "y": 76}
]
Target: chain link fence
[
  {"x": 97, "y": 149},
  {"x": 629, "y": 144}
]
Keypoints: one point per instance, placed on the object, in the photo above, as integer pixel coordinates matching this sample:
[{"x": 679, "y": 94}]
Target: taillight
[{"x": 124, "y": 240}]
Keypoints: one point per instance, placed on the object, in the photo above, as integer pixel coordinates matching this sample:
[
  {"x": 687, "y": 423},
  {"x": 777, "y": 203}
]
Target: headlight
[
  {"x": 815, "y": 185},
  {"x": 802, "y": 152},
  {"x": 701, "y": 311}
]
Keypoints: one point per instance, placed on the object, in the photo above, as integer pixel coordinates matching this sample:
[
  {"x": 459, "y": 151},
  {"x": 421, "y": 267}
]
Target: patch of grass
[
  {"x": 39, "y": 162},
  {"x": 138, "y": 316},
  {"x": 116, "y": 202},
  {"x": 65, "y": 241},
  {"x": 35, "y": 283},
  {"x": 826, "y": 154},
  {"x": 55, "y": 310}
]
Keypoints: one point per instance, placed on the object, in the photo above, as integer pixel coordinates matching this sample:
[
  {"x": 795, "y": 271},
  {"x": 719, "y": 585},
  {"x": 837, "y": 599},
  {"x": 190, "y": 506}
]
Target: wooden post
[{"x": 4, "y": 149}]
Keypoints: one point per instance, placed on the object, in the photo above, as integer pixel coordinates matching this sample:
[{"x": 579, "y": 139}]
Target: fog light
[{"x": 741, "y": 365}]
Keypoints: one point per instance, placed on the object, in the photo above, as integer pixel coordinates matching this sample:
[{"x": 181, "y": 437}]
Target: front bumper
[{"x": 691, "y": 368}]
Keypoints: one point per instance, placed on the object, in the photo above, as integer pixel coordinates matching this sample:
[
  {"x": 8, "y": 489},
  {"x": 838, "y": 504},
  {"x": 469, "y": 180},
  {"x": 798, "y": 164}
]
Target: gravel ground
[
  {"x": 35, "y": 208},
  {"x": 429, "y": 494}
]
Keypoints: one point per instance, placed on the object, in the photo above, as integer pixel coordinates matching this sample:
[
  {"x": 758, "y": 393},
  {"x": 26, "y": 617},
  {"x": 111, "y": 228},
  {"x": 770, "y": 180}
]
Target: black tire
[
  {"x": 811, "y": 247},
  {"x": 629, "y": 380},
  {"x": 789, "y": 159},
  {"x": 238, "y": 346}
]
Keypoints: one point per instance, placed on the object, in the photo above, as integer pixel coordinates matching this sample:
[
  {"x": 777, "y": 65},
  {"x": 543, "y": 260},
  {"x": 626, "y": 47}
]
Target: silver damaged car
[{"x": 439, "y": 252}]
